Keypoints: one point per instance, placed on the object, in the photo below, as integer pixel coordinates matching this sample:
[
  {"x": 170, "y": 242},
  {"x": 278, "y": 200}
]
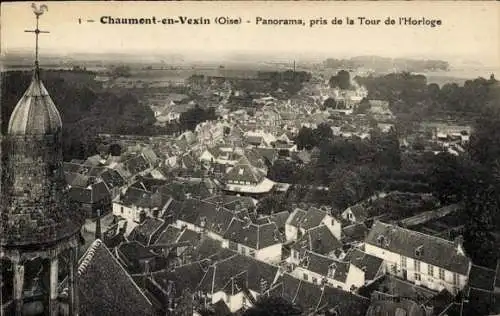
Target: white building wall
[
  {"x": 334, "y": 226},
  {"x": 393, "y": 266},
  {"x": 355, "y": 277},
  {"x": 271, "y": 254},
  {"x": 291, "y": 232}
]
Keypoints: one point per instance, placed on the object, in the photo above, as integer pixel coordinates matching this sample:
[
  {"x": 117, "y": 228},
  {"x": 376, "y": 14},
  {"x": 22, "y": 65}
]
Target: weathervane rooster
[{"x": 39, "y": 10}]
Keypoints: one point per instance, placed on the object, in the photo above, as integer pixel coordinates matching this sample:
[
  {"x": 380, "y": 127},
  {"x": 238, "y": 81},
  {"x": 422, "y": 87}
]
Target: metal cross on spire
[{"x": 37, "y": 11}]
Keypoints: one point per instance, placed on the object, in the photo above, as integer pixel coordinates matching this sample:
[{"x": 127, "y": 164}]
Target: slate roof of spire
[
  {"x": 35, "y": 113},
  {"x": 105, "y": 288}
]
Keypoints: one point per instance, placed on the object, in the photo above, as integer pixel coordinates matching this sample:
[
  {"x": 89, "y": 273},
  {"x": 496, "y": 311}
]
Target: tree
[
  {"x": 305, "y": 139},
  {"x": 115, "y": 149},
  {"x": 273, "y": 306},
  {"x": 342, "y": 80}
]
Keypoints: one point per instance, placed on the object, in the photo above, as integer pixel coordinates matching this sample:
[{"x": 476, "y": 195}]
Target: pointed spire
[{"x": 37, "y": 11}]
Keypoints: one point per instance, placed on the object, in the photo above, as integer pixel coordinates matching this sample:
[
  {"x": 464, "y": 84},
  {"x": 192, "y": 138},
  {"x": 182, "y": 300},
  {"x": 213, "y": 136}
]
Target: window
[
  {"x": 305, "y": 276},
  {"x": 243, "y": 250},
  {"x": 121, "y": 209},
  {"x": 455, "y": 279},
  {"x": 394, "y": 269},
  {"x": 417, "y": 265},
  {"x": 315, "y": 281},
  {"x": 403, "y": 262},
  {"x": 333, "y": 222},
  {"x": 441, "y": 274},
  {"x": 295, "y": 254},
  {"x": 430, "y": 270},
  {"x": 417, "y": 277}
]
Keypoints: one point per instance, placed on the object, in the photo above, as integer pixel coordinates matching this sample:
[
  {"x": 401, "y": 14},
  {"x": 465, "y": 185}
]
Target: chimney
[
  {"x": 458, "y": 242},
  {"x": 142, "y": 216}
]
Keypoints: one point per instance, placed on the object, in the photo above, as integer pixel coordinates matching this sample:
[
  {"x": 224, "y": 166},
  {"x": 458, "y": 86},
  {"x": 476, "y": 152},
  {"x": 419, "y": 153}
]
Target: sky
[{"x": 469, "y": 30}]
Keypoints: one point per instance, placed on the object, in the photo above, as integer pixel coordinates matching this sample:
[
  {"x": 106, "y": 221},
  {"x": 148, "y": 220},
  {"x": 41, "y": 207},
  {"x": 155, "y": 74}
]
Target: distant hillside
[{"x": 377, "y": 63}]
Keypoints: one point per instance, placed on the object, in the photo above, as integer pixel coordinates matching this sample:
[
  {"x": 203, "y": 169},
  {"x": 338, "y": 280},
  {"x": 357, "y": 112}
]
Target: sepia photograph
[{"x": 250, "y": 158}]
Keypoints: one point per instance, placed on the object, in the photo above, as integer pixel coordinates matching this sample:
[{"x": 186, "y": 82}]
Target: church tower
[{"x": 39, "y": 230}]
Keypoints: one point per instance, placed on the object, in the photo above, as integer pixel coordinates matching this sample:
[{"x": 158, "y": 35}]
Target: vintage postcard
[{"x": 250, "y": 158}]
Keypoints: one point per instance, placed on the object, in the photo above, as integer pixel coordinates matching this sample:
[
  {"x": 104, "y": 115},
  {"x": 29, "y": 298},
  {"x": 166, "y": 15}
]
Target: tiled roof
[
  {"x": 389, "y": 307},
  {"x": 169, "y": 235},
  {"x": 370, "y": 264},
  {"x": 210, "y": 248},
  {"x": 244, "y": 172},
  {"x": 247, "y": 272},
  {"x": 313, "y": 298},
  {"x": 188, "y": 235},
  {"x": 435, "y": 251},
  {"x": 149, "y": 184},
  {"x": 233, "y": 202},
  {"x": 136, "y": 164},
  {"x": 214, "y": 218},
  {"x": 80, "y": 195},
  {"x": 135, "y": 251},
  {"x": 319, "y": 240},
  {"x": 280, "y": 219},
  {"x": 252, "y": 235},
  {"x": 105, "y": 288},
  {"x": 145, "y": 231},
  {"x": 354, "y": 232},
  {"x": 345, "y": 303},
  {"x": 321, "y": 264},
  {"x": 185, "y": 277},
  {"x": 141, "y": 198},
  {"x": 112, "y": 178},
  {"x": 99, "y": 192},
  {"x": 482, "y": 278},
  {"x": 360, "y": 212},
  {"x": 75, "y": 179},
  {"x": 307, "y": 219}
]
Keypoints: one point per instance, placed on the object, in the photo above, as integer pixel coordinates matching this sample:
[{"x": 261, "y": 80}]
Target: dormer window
[
  {"x": 419, "y": 251},
  {"x": 331, "y": 270},
  {"x": 381, "y": 240}
]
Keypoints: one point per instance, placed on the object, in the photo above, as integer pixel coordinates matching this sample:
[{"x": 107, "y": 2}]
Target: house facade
[
  {"x": 301, "y": 220},
  {"x": 323, "y": 270},
  {"x": 422, "y": 259}
]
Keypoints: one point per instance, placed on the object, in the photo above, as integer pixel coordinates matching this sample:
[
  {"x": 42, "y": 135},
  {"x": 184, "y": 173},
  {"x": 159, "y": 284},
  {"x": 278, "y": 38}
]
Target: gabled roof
[
  {"x": 93, "y": 194},
  {"x": 252, "y": 235},
  {"x": 354, "y": 232},
  {"x": 236, "y": 273},
  {"x": 136, "y": 164},
  {"x": 112, "y": 178},
  {"x": 134, "y": 250},
  {"x": 359, "y": 211},
  {"x": 482, "y": 278},
  {"x": 280, "y": 219},
  {"x": 345, "y": 303},
  {"x": 141, "y": 198},
  {"x": 75, "y": 179},
  {"x": 188, "y": 235},
  {"x": 175, "y": 282},
  {"x": 144, "y": 232},
  {"x": 435, "y": 251},
  {"x": 321, "y": 264},
  {"x": 244, "y": 171},
  {"x": 368, "y": 263},
  {"x": 215, "y": 219},
  {"x": 313, "y": 298},
  {"x": 105, "y": 288},
  {"x": 169, "y": 235},
  {"x": 307, "y": 219},
  {"x": 319, "y": 239}
]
